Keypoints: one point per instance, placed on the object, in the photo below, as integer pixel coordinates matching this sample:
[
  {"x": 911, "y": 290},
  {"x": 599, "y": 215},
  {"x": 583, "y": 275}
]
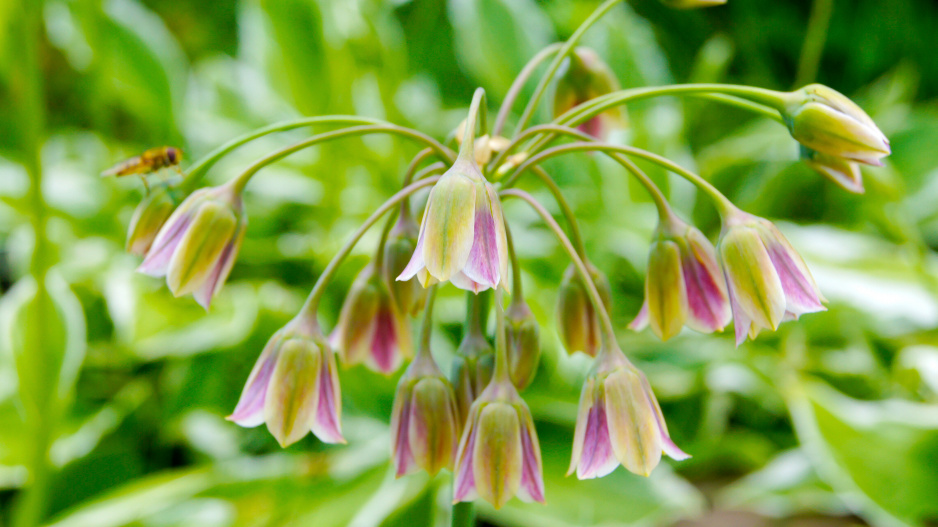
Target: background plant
[{"x": 850, "y": 432}]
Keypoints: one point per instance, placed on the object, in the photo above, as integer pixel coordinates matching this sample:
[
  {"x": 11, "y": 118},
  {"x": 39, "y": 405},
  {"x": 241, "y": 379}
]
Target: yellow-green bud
[
  {"x": 585, "y": 78},
  {"x": 577, "y": 319},
  {"x": 522, "y": 335},
  {"x": 148, "y": 219}
]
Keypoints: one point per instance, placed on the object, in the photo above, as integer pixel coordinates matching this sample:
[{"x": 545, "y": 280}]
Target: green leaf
[{"x": 880, "y": 456}]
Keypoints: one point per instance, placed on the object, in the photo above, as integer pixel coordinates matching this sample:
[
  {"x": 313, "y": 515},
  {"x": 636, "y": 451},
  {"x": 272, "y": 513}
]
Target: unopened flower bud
[
  {"x": 408, "y": 295},
  {"x": 619, "y": 422},
  {"x": 371, "y": 330},
  {"x": 499, "y": 453},
  {"x": 843, "y": 172},
  {"x": 198, "y": 244},
  {"x": 472, "y": 370},
  {"x": 462, "y": 236},
  {"x": 523, "y": 340},
  {"x": 684, "y": 283},
  {"x": 585, "y": 78},
  {"x": 577, "y": 320},
  {"x": 691, "y": 4},
  {"x": 148, "y": 219},
  {"x": 294, "y": 388},
  {"x": 425, "y": 422},
  {"x": 826, "y": 121},
  {"x": 766, "y": 278}
]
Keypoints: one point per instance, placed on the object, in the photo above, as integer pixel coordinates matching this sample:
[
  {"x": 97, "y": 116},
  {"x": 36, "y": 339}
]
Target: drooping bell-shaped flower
[
  {"x": 499, "y": 454},
  {"x": 826, "y": 121},
  {"x": 425, "y": 421},
  {"x": 148, "y": 219},
  {"x": 371, "y": 329},
  {"x": 197, "y": 246},
  {"x": 587, "y": 77},
  {"x": 408, "y": 295},
  {"x": 766, "y": 278},
  {"x": 843, "y": 172},
  {"x": 619, "y": 421},
  {"x": 294, "y": 388},
  {"x": 577, "y": 319},
  {"x": 684, "y": 284},
  {"x": 462, "y": 236},
  {"x": 522, "y": 335}
]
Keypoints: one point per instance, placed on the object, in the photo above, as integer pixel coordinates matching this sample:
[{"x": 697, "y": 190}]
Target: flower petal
[
  {"x": 250, "y": 409},
  {"x": 291, "y": 398},
  {"x": 633, "y": 430},
  {"x": 497, "y": 460},
  {"x": 212, "y": 229},
  {"x": 532, "y": 479},
  {"x": 326, "y": 421},
  {"x": 449, "y": 224},
  {"x": 217, "y": 278}
]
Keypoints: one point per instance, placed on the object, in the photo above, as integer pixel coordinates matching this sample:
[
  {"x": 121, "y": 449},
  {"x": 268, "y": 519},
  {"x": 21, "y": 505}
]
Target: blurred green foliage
[{"x": 832, "y": 417}]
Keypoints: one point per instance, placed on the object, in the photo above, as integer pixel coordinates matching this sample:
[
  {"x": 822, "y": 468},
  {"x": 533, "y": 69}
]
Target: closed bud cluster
[
  {"x": 294, "y": 388},
  {"x": 408, "y": 295},
  {"x": 462, "y": 237},
  {"x": 425, "y": 421},
  {"x": 523, "y": 340},
  {"x": 499, "y": 454},
  {"x": 836, "y": 133},
  {"x": 371, "y": 329},
  {"x": 577, "y": 320},
  {"x": 767, "y": 280},
  {"x": 684, "y": 284},
  {"x": 585, "y": 78},
  {"x": 148, "y": 219},
  {"x": 197, "y": 246},
  {"x": 619, "y": 422}
]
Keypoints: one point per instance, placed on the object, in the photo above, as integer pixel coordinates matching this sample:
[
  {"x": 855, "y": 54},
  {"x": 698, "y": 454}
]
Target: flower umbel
[
  {"x": 462, "y": 236},
  {"x": 197, "y": 246},
  {"x": 371, "y": 329},
  {"x": 294, "y": 388},
  {"x": 619, "y": 421},
  {"x": 577, "y": 320},
  {"x": 499, "y": 454},
  {"x": 767, "y": 280},
  {"x": 684, "y": 283},
  {"x": 826, "y": 121}
]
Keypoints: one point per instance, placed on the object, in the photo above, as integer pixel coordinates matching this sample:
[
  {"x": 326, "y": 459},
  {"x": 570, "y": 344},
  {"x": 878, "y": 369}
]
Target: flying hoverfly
[{"x": 153, "y": 160}]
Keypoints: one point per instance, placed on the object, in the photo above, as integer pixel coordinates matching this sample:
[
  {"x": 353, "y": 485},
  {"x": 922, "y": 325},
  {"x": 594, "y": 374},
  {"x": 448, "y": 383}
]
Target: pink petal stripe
[
  {"x": 204, "y": 294},
  {"x": 403, "y": 457},
  {"x": 384, "y": 346},
  {"x": 801, "y": 294},
  {"x": 705, "y": 298},
  {"x": 157, "y": 260},
  {"x": 483, "y": 263},
  {"x": 464, "y": 486},
  {"x": 250, "y": 409},
  {"x": 741, "y": 320},
  {"x": 598, "y": 458},
  {"x": 416, "y": 262},
  {"x": 640, "y": 321},
  {"x": 325, "y": 423},
  {"x": 532, "y": 481}
]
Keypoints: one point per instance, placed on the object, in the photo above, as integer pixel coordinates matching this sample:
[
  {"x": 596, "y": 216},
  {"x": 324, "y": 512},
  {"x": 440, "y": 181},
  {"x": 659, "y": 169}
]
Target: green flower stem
[
  {"x": 310, "y": 307},
  {"x": 763, "y": 102},
  {"x": 609, "y": 333},
  {"x": 502, "y": 372},
  {"x": 814, "y": 40},
  {"x": 464, "y": 514},
  {"x": 414, "y": 163},
  {"x": 724, "y": 205},
  {"x": 564, "y": 52},
  {"x": 239, "y": 182},
  {"x": 424, "y": 348},
  {"x": 198, "y": 169},
  {"x": 516, "y": 293},
  {"x": 518, "y": 85},
  {"x": 664, "y": 210},
  {"x": 477, "y": 306},
  {"x": 565, "y": 208},
  {"x": 37, "y": 365},
  {"x": 476, "y": 110}
]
